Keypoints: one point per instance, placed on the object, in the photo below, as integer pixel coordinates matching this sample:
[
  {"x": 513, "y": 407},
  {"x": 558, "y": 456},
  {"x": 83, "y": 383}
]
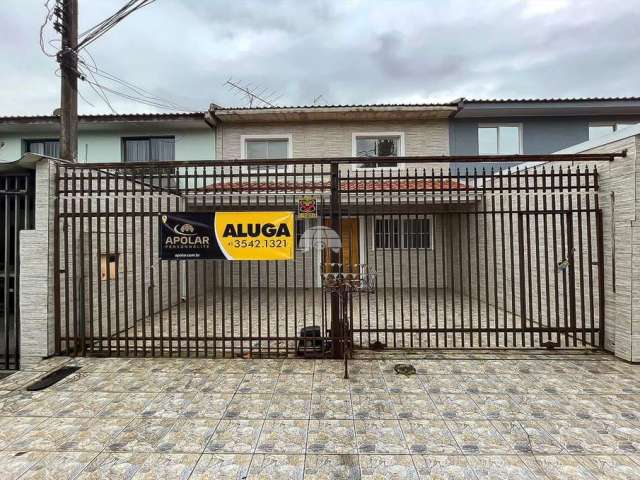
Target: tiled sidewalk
[{"x": 464, "y": 416}]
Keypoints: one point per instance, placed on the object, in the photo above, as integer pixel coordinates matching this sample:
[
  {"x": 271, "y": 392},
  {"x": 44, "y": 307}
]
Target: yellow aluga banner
[{"x": 255, "y": 235}]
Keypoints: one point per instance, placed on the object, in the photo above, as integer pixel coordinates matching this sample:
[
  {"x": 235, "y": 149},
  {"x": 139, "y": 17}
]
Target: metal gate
[
  {"x": 506, "y": 259},
  {"x": 16, "y": 213}
]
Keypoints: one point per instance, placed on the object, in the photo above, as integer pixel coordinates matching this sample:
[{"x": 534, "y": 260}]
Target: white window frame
[
  {"x": 402, "y": 219},
  {"x": 271, "y": 136},
  {"x": 354, "y": 149},
  {"x": 497, "y": 126}
]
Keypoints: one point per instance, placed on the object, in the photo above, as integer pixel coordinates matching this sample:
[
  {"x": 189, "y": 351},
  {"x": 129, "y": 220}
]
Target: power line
[
  {"x": 48, "y": 18},
  {"x": 92, "y": 34}
]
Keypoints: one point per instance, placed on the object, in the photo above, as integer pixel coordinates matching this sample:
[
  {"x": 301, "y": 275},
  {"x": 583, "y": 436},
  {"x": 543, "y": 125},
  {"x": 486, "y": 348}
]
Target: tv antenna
[
  {"x": 253, "y": 95},
  {"x": 319, "y": 99}
]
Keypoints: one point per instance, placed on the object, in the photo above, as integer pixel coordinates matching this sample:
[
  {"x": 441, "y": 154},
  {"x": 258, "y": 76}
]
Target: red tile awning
[{"x": 346, "y": 186}]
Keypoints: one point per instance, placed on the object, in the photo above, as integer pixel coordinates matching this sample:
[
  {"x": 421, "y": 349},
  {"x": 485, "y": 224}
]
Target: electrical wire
[
  {"x": 136, "y": 90},
  {"x": 48, "y": 17},
  {"x": 92, "y": 34}
]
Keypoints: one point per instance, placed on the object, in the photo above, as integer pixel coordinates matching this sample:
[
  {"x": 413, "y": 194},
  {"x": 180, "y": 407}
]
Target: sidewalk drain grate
[{"x": 51, "y": 378}]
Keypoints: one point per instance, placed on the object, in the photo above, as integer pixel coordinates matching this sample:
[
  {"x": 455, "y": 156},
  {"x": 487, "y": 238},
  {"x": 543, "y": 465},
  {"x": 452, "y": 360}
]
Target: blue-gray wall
[{"x": 541, "y": 135}]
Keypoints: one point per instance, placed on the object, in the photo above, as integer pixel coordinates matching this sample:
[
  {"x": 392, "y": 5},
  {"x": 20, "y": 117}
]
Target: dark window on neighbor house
[
  {"x": 149, "y": 149},
  {"x": 402, "y": 233},
  {"x": 377, "y": 147},
  {"x": 49, "y": 147}
]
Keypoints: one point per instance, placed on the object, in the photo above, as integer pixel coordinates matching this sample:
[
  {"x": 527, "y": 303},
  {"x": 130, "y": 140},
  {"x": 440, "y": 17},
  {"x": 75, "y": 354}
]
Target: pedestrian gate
[
  {"x": 16, "y": 213},
  {"x": 505, "y": 259}
]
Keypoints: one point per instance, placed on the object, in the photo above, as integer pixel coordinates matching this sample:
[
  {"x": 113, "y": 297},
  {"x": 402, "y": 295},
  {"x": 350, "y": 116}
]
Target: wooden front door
[{"x": 350, "y": 245}]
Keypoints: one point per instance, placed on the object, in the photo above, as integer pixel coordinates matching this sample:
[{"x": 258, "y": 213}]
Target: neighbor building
[{"x": 113, "y": 137}]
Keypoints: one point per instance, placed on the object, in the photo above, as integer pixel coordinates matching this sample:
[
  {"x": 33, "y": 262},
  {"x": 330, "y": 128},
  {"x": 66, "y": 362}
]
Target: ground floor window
[{"x": 402, "y": 233}]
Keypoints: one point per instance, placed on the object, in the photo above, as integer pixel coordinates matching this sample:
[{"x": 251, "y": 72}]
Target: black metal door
[{"x": 16, "y": 213}]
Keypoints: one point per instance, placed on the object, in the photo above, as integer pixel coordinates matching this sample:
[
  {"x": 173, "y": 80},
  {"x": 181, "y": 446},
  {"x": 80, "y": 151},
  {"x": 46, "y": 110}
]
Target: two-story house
[
  {"x": 535, "y": 126},
  {"x": 113, "y": 138}
]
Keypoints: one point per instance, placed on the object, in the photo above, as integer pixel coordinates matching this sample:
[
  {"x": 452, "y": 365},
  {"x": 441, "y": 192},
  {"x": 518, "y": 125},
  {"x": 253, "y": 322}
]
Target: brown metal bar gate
[
  {"x": 16, "y": 213},
  {"x": 479, "y": 259}
]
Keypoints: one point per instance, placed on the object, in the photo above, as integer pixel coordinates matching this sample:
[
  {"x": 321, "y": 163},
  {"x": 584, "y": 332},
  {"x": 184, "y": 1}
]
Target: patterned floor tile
[
  {"x": 142, "y": 435},
  {"x": 161, "y": 466},
  {"x": 235, "y": 436},
  {"x": 228, "y": 382},
  {"x": 498, "y": 406},
  {"x": 113, "y": 466},
  {"x": 290, "y": 406},
  {"x": 443, "y": 384},
  {"x": 557, "y": 467},
  {"x": 478, "y": 437},
  {"x": 91, "y": 434},
  {"x": 595, "y": 436},
  {"x": 614, "y": 467},
  {"x": 248, "y": 406},
  {"x": 332, "y": 467},
  {"x": 59, "y": 465},
  {"x": 221, "y": 467},
  {"x": 325, "y": 383},
  {"x": 127, "y": 405},
  {"x": 88, "y": 404},
  {"x": 387, "y": 467},
  {"x": 527, "y": 436},
  {"x": 169, "y": 405},
  {"x": 294, "y": 384},
  {"x": 12, "y": 428},
  {"x": 373, "y": 406},
  {"x": 331, "y": 436},
  {"x": 283, "y": 437},
  {"x": 429, "y": 436},
  {"x": 331, "y": 406},
  {"x": 380, "y": 436},
  {"x": 14, "y": 463},
  {"x": 208, "y": 405},
  {"x": 258, "y": 383},
  {"x": 498, "y": 467},
  {"x": 414, "y": 406},
  {"x": 188, "y": 435},
  {"x": 457, "y": 406},
  {"x": 282, "y": 467},
  {"x": 443, "y": 467},
  {"x": 297, "y": 367}
]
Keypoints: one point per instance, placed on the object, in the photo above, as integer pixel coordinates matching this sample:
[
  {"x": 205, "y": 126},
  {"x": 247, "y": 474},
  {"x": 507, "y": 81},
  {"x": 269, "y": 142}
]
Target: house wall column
[{"x": 36, "y": 273}]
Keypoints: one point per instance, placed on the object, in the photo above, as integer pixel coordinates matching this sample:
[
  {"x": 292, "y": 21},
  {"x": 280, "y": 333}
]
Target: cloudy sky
[{"x": 358, "y": 51}]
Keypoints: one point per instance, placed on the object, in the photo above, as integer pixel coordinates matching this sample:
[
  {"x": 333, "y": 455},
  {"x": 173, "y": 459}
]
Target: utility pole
[{"x": 68, "y": 60}]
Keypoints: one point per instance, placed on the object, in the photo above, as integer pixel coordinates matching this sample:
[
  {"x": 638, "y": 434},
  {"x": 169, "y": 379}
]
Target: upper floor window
[
  {"x": 499, "y": 139},
  {"x": 260, "y": 147},
  {"x": 378, "y": 145},
  {"x": 149, "y": 149},
  {"x": 49, "y": 147},
  {"x": 600, "y": 129}
]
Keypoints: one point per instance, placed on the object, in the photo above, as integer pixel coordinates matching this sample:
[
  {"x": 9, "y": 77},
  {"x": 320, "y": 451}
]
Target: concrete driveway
[{"x": 463, "y": 416}]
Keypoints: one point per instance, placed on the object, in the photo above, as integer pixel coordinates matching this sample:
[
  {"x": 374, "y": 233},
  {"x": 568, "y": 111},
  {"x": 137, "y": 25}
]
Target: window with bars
[
  {"x": 49, "y": 147},
  {"x": 149, "y": 149},
  {"x": 402, "y": 233}
]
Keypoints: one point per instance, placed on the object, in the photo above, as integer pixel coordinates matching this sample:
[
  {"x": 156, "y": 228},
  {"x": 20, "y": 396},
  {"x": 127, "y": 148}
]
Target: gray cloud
[{"x": 350, "y": 52}]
